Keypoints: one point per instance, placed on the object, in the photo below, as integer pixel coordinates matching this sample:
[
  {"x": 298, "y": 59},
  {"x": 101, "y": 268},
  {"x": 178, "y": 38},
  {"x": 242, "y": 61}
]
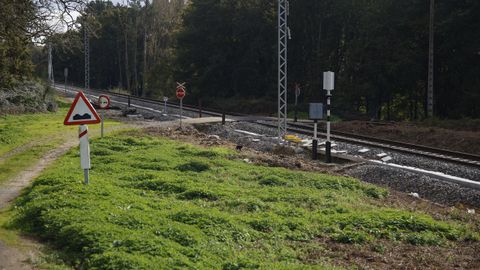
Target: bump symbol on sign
[{"x": 81, "y": 112}]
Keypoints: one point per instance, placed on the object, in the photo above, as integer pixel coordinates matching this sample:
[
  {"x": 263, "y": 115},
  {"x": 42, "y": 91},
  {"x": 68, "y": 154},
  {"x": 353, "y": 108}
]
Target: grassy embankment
[
  {"x": 24, "y": 139},
  {"x": 27, "y": 137},
  {"x": 154, "y": 203}
]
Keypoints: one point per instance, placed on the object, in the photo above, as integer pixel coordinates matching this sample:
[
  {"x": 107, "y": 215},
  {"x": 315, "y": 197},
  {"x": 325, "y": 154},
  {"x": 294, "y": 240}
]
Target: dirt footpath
[
  {"x": 12, "y": 188},
  {"x": 13, "y": 258}
]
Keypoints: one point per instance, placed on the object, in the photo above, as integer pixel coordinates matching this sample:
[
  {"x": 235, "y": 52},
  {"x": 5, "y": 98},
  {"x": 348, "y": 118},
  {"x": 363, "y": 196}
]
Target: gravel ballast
[{"x": 405, "y": 181}]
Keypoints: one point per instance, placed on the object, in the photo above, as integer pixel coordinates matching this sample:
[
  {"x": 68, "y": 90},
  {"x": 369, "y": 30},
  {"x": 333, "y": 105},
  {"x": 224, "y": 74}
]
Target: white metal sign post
[
  {"x": 165, "y": 99},
  {"x": 103, "y": 104},
  {"x": 329, "y": 85},
  {"x": 315, "y": 114},
  {"x": 82, "y": 113},
  {"x": 84, "y": 151},
  {"x": 103, "y": 120}
]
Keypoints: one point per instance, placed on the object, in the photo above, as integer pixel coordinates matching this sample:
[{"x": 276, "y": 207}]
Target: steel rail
[
  {"x": 302, "y": 128},
  {"x": 420, "y": 150},
  {"x": 424, "y": 148},
  {"x": 191, "y": 108}
]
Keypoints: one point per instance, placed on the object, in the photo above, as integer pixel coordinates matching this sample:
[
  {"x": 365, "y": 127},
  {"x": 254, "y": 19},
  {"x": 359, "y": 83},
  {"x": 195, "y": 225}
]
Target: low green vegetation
[
  {"x": 27, "y": 137},
  {"x": 154, "y": 203},
  {"x": 17, "y": 130}
]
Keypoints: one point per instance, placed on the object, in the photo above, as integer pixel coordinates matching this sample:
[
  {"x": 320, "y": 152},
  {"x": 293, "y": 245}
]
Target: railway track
[
  {"x": 126, "y": 98},
  {"x": 307, "y": 129},
  {"x": 420, "y": 150}
]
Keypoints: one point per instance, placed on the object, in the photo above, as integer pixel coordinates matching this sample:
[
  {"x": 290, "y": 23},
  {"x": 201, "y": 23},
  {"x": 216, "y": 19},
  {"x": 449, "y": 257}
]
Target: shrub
[
  {"x": 194, "y": 166},
  {"x": 199, "y": 194},
  {"x": 272, "y": 180}
]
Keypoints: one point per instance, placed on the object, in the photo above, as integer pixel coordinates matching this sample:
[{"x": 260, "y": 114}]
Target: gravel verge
[{"x": 427, "y": 187}]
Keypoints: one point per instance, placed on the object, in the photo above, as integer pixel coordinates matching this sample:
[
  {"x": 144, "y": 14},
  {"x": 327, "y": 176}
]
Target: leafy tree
[
  {"x": 21, "y": 23},
  {"x": 227, "y": 48}
]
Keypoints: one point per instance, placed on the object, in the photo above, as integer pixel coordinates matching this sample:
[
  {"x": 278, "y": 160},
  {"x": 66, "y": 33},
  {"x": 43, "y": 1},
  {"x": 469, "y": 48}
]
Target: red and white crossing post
[
  {"x": 180, "y": 93},
  {"x": 84, "y": 151}
]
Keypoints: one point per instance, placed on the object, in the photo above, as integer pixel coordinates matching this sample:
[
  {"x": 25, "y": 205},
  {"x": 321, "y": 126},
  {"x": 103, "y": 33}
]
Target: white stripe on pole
[
  {"x": 84, "y": 147},
  {"x": 328, "y": 115},
  {"x": 84, "y": 151}
]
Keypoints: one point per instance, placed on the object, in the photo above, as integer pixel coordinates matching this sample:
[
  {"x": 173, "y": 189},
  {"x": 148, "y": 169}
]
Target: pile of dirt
[
  {"x": 280, "y": 157},
  {"x": 27, "y": 97},
  {"x": 461, "y": 141}
]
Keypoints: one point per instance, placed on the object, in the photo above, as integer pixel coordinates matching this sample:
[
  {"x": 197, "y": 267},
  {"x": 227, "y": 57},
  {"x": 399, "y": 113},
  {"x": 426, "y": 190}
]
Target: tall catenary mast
[
  {"x": 283, "y": 35},
  {"x": 86, "y": 42}
]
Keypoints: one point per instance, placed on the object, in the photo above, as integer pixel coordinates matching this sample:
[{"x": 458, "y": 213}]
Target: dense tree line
[
  {"x": 131, "y": 46},
  {"x": 226, "y": 50},
  {"x": 15, "y": 19},
  {"x": 24, "y": 23}
]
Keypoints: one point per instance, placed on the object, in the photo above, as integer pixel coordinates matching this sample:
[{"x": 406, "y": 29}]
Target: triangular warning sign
[{"x": 81, "y": 112}]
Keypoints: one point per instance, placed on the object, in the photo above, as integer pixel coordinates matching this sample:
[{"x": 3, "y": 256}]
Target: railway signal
[
  {"x": 82, "y": 113},
  {"x": 328, "y": 85}
]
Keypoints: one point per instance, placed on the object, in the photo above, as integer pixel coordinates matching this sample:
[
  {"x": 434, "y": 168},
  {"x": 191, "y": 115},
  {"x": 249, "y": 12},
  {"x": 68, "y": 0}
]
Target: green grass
[
  {"x": 24, "y": 139},
  {"x": 159, "y": 204},
  {"x": 8, "y": 237},
  {"x": 45, "y": 258},
  {"x": 17, "y": 130},
  {"x": 30, "y": 136},
  {"x": 13, "y": 165}
]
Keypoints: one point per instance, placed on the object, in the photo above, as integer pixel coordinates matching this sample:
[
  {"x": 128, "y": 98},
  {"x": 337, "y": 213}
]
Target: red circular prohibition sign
[{"x": 180, "y": 93}]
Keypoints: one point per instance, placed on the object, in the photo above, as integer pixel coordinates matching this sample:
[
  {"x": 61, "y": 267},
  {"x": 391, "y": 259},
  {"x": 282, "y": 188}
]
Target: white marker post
[
  {"x": 329, "y": 85},
  {"x": 101, "y": 124},
  {"x": 84, "y": 151},
  {"x": 315, "y": 114},
  {"x": 165, "y": 99}
]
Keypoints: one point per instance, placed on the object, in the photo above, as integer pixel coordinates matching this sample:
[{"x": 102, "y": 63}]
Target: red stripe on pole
[{"x": 82, "y": 134}]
